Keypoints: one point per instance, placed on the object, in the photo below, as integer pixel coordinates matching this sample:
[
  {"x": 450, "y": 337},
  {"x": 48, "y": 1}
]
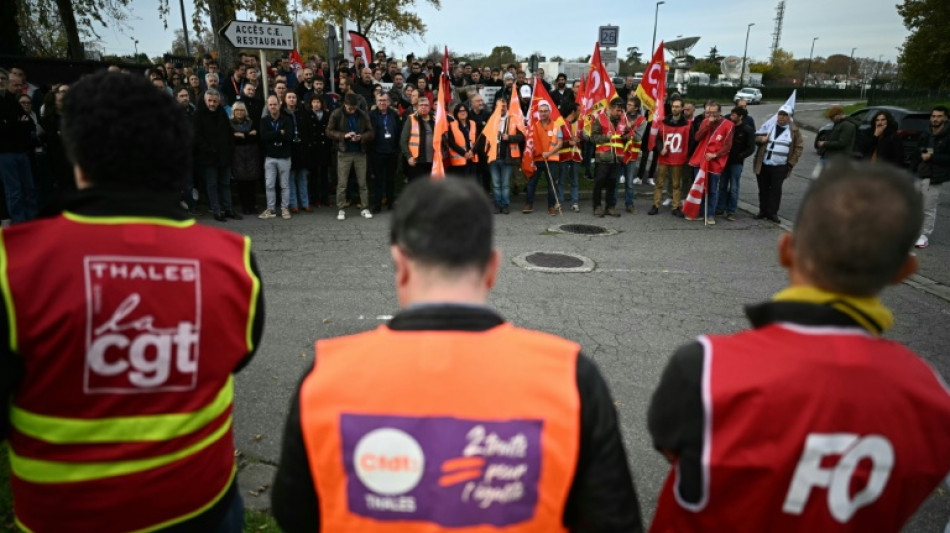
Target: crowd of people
[
  {"x": 123, "y": 322},
  {"x": 354, "y": 135}
]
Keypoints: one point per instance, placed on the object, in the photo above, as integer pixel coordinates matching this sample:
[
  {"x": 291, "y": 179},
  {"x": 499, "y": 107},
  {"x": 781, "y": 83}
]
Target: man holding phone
[
  {"x": 933, "y": 168},
  {"x": 352, "y": 130}
]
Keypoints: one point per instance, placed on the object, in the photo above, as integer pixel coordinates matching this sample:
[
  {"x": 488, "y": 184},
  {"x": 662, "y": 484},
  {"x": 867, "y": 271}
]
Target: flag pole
[
  {"x": 557, "y": 202},
  {"x": 706, "y": 203}
]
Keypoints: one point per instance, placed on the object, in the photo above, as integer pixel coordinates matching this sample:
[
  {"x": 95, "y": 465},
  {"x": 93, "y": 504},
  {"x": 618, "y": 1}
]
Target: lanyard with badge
[
  {"x": 386, "y": 133},
  {"x": 276, "y": 125}
]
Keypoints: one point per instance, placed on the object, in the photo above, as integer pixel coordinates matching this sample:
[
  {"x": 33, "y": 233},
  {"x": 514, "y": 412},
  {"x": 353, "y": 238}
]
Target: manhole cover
[
  {"x": 554, "y": 262},
  {"x": 582, "y": 229},
  {"x": 543, "y": 259}
]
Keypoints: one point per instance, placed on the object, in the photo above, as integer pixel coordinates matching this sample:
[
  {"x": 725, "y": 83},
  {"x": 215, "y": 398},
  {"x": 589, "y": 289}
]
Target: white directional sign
[{"x": 259, "y": 35}]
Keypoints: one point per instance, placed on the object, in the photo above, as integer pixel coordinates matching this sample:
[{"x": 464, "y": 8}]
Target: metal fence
[
  {"x": 888, "y": 93},
  {"x": 774, "y": 93}
]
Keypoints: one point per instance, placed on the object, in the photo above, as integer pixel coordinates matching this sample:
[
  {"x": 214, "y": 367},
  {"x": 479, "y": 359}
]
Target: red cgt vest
[
  {"x": 813, "y": 429},
  {"x": 129, "y": 329},
  {"x": 422, "y": 431}
]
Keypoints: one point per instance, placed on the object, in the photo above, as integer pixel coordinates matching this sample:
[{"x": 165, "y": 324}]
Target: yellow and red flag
[
  {"x": 652, "y": 91},
  {"x": 598, "y": 91},
  {"x": 441, "y": 122}
]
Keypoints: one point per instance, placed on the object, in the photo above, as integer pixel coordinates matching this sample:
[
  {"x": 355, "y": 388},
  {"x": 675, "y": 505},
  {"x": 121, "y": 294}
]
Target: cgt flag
[
  {"x": 296, "y": 62},
  {"x": 652, "y": 93},
  {"x": 695, "y": 196}
]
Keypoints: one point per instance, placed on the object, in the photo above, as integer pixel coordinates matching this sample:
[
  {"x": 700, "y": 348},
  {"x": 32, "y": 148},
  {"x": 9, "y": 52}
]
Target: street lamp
[
  {"x": 850, "y": 61},
  {"x": 656, "y": 17},
  {"x": 136, "y": 41},
  {"x": 810, "y": 56},
  {"x": 745, "y": 51}
]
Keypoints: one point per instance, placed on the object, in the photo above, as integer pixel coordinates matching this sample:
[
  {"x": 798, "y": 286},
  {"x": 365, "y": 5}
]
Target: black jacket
[
  {"x": 318, "y": 143},
  {"x": 889, "y": 147},
  {"x": 938, "y": 168},
  {"x": 299, "y": 155},
  {"x": 277, "y": 136},
  {"x": 602, "y": 497},
  {"x": 214, "y": 140},
  {"x": 14, "y": 126},
  {"x": 338, "y": 127},
  {"x": 743, "y": 144},
  {"x": 382, "y": 125}
]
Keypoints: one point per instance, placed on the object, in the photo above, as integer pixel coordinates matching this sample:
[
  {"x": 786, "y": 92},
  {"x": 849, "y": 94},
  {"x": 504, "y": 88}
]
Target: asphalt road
[{"x": 657, "y": 284}]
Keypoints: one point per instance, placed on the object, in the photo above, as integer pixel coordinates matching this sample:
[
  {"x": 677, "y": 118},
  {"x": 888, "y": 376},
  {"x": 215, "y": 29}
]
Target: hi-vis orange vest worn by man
[
  {"x": 449, "y": 418},
  {"x": 122, "y": 323}
]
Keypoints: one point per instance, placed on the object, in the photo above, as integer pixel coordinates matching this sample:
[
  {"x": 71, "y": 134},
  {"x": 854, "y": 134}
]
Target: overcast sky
[{"x": 569, "y": 27}]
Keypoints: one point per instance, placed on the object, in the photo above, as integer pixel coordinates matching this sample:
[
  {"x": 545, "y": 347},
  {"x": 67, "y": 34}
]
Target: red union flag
[
  {"x": 654, "y": 78},
  {"x": 600, "y": 88},
  {"x": 695, "y": 196},
  {"x": 296, "y": 62},
  {"x": 360, "y": 47},
  {"x": 441, "y": 122}
]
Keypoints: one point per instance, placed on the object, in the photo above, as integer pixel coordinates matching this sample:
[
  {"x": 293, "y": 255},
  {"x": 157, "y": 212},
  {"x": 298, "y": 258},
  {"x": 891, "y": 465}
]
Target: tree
[
  {"x": 500, "y": 55},
  {"x": 40, "y": 40},
  {"x": 713, "y": 56},
  {"x": 10, "y": 39},
  {"x": 313, "y": 37},
  {"x": 707, "y": 67},
  {"x": 201, "y": 42},
  {"x": 926, "y": 52},
  {"x": 837, "y": 64},
  {"x": 382, "y": 19},
  {"x": 634, "y": 56},
  {"x": 557, "y": 59},
  {"x": 73, "y": 18}
]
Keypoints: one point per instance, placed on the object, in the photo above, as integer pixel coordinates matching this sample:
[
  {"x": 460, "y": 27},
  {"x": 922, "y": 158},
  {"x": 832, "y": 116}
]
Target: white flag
[{"x": 789, "y": 108}]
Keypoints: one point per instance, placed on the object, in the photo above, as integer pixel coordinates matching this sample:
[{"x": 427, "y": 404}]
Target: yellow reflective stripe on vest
[
  {"x": 145, "y": 428},
  {"x": 7, "y": 297},
  {"x": 255, "y": 294},
  {"x": 115, "y": 221},
  {"x": 40, "y": 471}
]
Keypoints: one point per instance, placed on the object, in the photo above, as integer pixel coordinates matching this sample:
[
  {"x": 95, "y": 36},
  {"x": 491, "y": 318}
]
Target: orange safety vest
[
  {"x": 631, "y": 151},
  {"x": 129, "y": 329},
  {"x": 512, "y": 129},
  {"x": 568, "y": 152},
  {"x": 422, "y": 431},
  {"x": 615, "y": 144},
  {"x": 455, "y": 159},
  {"x": 544, "y": 139},
  {"x": 414, "y": 135}
]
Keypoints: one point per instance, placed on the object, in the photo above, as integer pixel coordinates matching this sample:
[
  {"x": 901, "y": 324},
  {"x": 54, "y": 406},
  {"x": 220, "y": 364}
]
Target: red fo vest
[
  {"x": 712, "y": 144},
  {"x": 129, "y": 329},
  {"x": 423, "y": 431},
  {"x": 813, "y": 429},
  {"x": 676, "y": 140}
]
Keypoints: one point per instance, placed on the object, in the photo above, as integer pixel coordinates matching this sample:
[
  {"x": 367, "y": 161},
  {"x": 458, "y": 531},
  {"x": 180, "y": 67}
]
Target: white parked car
[{"x": 753, "y": 96}]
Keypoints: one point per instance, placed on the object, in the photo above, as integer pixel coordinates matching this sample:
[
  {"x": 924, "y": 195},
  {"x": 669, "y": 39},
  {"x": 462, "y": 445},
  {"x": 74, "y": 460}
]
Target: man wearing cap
[
  {"x": 840, "y": 141},
  {"x": 490, "y": 428},
  {"x": 780, "y": 145},
  {"x": 609, "y": 135},
  {"x": 509, "y": 84}
]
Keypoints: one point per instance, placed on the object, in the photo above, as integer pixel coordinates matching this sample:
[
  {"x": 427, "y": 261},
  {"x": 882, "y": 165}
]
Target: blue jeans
[
  {"x": 729, "y": 189},
  {"x": 500, "y": 183},
  {"x": 233, "y": 521},
  {"x": 629, "y": 172},
  {"x": 712, "y": 186},
  {"x": 567, "y": 171},
  {"x": 218, "y": 182},
  {"x": 587, "y": 152},
  {"x": 539, "y": 169},
  {"x": 298, "y": 188},
  {"x": 17, "y": 180}
]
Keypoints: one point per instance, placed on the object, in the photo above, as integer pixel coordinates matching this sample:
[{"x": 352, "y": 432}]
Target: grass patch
[{"x": 259, "y": 522}]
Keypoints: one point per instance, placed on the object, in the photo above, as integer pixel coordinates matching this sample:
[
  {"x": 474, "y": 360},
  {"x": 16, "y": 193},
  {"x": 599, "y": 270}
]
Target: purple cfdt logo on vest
[{"x": 449, "y": 471}]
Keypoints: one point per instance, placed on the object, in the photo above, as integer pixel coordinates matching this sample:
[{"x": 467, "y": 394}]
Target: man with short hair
[
  {"x": 547, "y": 143},
  {"x": 231, "y": 91},
  {"x": 214, "y": 148},
  {"x": 396, "y": 91},
  {"x": 933, "y": 168},
  {"x": 416, "y": 141},
  {"x": 672, "y": 140},
  {"x": 714, "y": 140},
  {"x": 637, "y": 125},
  {"x": 387, "y": 128},
  {"x": 127, "y": 321},
  {"x": 627, "y": 89},
  {"x": 562, "y": 95},
  {"x": 810, "y": 421},
  {"x": 277, "y": 136},
  {"x": 364, "y": 86},
  {"x": 609, "y": 136},
  {"x": 353, "y": 132},
  {"x": 743, "y": 145},
  {"x": 747, "y": 119},
  {"x": 779, "y": 148},
  {"x": 496, "y": 428},
  {"x": 480, "y": 115},
  {"x": 16, "y": 142},
  {"x": 305, "y": 87},
  {"x": 288, "y": 73}
]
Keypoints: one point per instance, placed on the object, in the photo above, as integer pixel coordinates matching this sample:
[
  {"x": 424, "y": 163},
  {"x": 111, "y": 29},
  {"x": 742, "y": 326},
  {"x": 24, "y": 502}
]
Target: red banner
[{"x": 360, "y": 47}]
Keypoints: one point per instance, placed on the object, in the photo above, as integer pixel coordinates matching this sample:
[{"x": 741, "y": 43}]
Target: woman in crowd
[
  {"x": 423, "y": 85},
  {"x": 881, "y": 143},
  {"x": 299, "y": 156},
  {"x": 460, "y": 139},
  {"x": 319, "y": 150},
  {"x": 246, "y": 165}
]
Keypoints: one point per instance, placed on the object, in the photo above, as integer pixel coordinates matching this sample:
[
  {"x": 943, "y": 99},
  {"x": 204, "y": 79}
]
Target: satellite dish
[
  {"x": 681, "y": 47},
  {"x": 731, "y": 66}
]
